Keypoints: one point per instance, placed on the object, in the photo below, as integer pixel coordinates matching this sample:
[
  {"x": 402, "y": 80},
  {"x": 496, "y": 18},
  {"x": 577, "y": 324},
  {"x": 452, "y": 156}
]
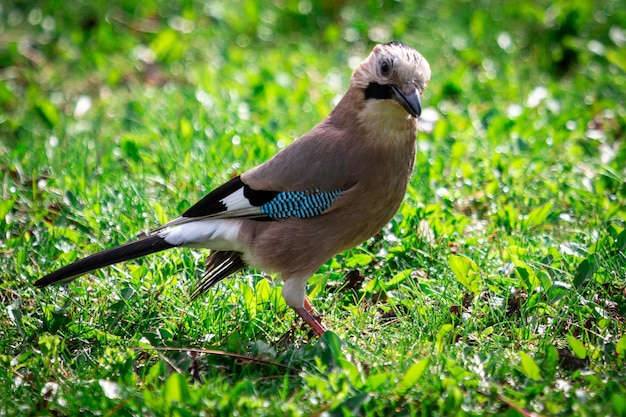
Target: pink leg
[
  {"x": 308, "y": 306},
  {"x": 306, "y": 313}
]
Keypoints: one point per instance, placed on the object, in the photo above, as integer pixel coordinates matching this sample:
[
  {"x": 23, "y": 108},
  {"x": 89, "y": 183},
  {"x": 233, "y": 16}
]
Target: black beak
[{"x": 411, "y": 102}]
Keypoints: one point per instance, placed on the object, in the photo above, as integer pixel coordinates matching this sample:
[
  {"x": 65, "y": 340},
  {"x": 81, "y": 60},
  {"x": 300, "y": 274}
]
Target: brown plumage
[{"x": 328, "y": 191}]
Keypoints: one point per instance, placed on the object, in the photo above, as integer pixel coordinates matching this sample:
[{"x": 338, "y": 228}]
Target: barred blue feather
[{"x": 299, "y": 204}]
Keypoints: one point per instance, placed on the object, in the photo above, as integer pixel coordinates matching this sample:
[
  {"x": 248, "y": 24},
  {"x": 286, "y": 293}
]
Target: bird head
[{"x": 396, "y": 72}]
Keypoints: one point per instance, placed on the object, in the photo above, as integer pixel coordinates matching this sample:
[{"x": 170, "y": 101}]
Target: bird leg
[
  {"x": 294, "y": 293},
  {"x": 309, "y": 306},
  {"x": 306, "y": 312}
]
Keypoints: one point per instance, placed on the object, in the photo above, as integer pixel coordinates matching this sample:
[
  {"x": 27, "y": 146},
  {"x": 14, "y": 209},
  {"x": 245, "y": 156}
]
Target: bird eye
[{"x": 385, "y": 68}]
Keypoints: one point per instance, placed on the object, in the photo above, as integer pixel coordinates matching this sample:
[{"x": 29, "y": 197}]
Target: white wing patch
[{"x": 237, "y": 205}]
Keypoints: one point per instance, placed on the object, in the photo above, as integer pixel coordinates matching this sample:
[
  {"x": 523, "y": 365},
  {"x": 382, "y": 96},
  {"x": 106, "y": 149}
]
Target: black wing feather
[
  {"x": 211, "y": 203},
  {"x": 219, "y": 265}
]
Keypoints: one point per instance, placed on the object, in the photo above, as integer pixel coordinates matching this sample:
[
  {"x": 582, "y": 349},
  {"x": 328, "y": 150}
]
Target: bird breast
[{"x": 298, "y": 247}]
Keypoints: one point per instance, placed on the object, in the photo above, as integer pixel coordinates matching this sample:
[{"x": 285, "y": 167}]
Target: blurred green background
[
  {"x": 498, "y": 289},
  {"x": 53, "y": 52}
]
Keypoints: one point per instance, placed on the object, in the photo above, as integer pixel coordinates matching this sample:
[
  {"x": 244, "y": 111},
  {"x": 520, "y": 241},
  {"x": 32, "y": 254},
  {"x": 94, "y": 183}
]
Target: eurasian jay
[{"x": 326, "y": 192}]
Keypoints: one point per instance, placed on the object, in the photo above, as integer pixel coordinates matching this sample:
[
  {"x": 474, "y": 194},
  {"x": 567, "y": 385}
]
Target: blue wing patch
[
  {"x": 299, "y": 204},
  {"x": 236, "y": 199}
]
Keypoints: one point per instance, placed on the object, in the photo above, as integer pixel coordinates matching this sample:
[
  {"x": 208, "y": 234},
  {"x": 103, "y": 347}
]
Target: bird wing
[
  {"x": 323, "y": 159},
  {"x": 235, "y": 199},
  {"x": 306, "y": 179}
]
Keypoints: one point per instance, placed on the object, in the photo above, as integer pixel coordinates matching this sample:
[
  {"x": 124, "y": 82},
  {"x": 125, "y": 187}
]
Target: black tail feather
[
  {"x": 219, "y": 265},
  {"x": 131, "y": 250}
]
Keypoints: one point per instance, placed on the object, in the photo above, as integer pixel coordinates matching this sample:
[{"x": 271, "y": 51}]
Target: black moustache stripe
[{"x": 378, "y": 91}]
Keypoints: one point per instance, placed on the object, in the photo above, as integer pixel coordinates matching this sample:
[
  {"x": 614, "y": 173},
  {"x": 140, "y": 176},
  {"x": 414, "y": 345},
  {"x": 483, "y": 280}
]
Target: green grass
[{"x": 499, "y": 288}]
